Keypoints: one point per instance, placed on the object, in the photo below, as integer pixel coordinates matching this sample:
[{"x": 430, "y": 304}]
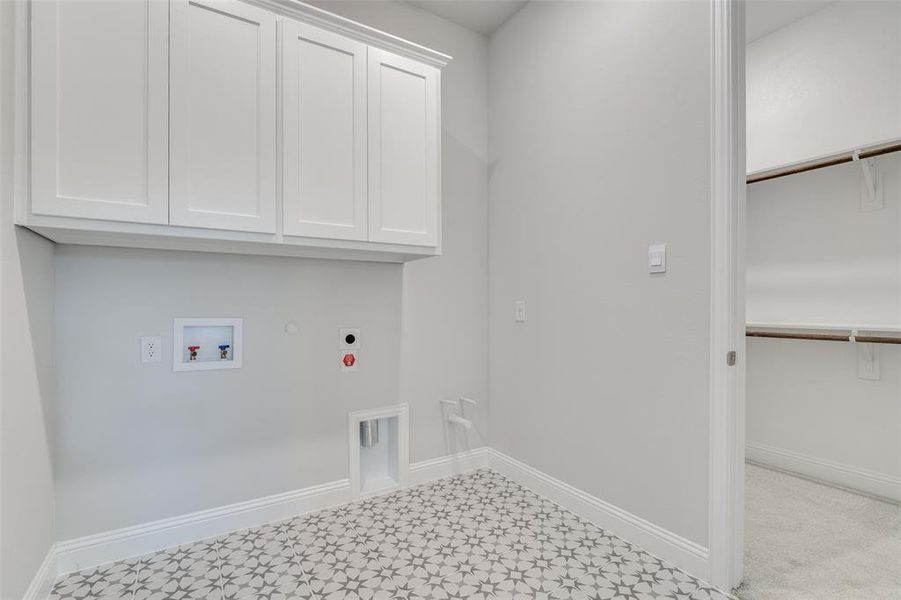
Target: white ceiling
[
  {"x": 766, "y": 16},
  {"x": 485, "y": 16},
  {"x": 482, "y": 16}
]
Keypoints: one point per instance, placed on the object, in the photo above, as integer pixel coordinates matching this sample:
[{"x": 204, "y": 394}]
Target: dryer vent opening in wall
[{"x": 378, "y": 445}]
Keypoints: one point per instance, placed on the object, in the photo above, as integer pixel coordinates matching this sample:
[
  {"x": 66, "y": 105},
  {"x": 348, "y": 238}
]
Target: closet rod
[
  {"x": 827, "y": 161},
  {"x": 825, "y": 337}
]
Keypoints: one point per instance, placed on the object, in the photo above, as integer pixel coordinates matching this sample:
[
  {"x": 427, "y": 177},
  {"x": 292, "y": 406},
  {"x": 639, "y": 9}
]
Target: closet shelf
[
  {"x": 826, "y": 333},
  {"x": 829, "y": 160}
]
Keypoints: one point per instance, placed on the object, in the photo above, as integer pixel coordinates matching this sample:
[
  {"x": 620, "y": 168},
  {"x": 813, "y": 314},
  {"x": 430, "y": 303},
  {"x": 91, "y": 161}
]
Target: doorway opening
[{"x": 806, "y": 431}]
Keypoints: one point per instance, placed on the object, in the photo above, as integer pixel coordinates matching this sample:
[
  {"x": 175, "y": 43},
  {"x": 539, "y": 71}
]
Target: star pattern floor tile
[{"x": 477, "y": 536}]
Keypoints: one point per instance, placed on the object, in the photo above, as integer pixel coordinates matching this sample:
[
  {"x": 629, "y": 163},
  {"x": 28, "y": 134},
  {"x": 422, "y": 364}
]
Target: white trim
[
  {"x": 20, "y": 81},
  {"x": 64, "y": 230},
  {"x": 90, "y": 551},
  {"x": 43, "y": 580},
  {"x": 128, "y": 542},
  {"x": 725, "y": 506},
  {"x": 402, "y": 413},
  {"x": 689, "y": 556},
  {"x": 358, "y": 31},
  {"x": 872, "y": 483},
  {"x": 450, "y": 465}
]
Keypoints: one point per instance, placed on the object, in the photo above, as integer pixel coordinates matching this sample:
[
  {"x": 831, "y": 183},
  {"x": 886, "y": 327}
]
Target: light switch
[
  {"x": 520, "y": 313},
  {"x": 657, "y": 258}
]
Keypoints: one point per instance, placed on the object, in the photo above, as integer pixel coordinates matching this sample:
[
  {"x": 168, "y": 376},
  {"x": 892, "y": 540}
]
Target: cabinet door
[
  {"x": 222, "y": 111},
  {"x": 324, "y": 133},
  {"x": 99, "y": 109},
  {"x": 403, "y": 150}
]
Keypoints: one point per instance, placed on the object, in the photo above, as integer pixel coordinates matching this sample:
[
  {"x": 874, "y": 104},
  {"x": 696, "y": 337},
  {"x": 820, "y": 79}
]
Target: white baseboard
[
  {"x": 673, "y": 548},
  {"x": 128, "y": 542},
  {"x": 446, "y": 466},
  {"x": 871, "y": 483},
  {"x": 43, "y": 580},
  {"x": 90, "y": 551}
]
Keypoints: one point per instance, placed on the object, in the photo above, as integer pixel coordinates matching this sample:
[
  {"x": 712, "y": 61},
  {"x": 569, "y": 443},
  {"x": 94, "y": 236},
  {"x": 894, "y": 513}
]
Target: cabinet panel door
[
  {"x": 222, "y": 111},
  {"x": 324, "y": 133},
  {"x": 404, "y": 167},
  {"x": 99, "y": 109}
]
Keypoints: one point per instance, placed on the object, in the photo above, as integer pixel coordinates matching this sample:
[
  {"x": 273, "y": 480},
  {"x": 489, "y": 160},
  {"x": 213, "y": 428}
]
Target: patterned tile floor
[{"x": 476, "y": 536}]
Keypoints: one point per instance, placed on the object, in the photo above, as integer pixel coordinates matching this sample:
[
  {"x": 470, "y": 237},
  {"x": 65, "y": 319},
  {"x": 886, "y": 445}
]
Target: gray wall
[
  {"x": 445, "y": 315},
  {"x": 824, "y": 83},
  {"x": 26, "y": 393},
  {"x": 139, "y": 443},
  {"x": 815, "y": 258},
  {"x": 805, "y": 397},
  {"x": 26, "y": 380},
  {"x": 600, "y": 141}
]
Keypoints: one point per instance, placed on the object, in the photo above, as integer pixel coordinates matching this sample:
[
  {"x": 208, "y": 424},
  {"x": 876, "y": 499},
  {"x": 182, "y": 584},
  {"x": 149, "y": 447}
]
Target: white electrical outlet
[{"x": 151, "y": 349}]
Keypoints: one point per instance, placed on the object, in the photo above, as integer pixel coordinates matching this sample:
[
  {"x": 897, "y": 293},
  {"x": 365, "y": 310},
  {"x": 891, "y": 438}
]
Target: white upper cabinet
[
  {"x": 324, "y": 133},
  {"x": 99, "y": 110},
  {"x": 404, "y": 124},
  {"x": 258, "y": 126},
  {"x": 222, "y": 116}
]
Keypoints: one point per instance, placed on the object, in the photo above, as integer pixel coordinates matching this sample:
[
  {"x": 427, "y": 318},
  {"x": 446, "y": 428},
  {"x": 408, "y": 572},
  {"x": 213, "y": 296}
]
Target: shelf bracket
[{"x": 870, "y": 184}]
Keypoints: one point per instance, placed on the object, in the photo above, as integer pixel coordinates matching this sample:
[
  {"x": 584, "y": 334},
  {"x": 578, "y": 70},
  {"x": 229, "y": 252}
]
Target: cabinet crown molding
[{"x": 338, "y": 24}]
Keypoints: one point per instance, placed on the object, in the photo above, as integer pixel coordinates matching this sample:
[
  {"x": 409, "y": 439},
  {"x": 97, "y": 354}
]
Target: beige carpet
[{"x": 807, "y": 541}]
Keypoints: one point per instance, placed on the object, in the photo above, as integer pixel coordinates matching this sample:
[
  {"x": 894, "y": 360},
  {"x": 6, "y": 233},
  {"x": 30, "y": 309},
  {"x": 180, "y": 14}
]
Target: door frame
[{"x": 727, "y": 300}]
